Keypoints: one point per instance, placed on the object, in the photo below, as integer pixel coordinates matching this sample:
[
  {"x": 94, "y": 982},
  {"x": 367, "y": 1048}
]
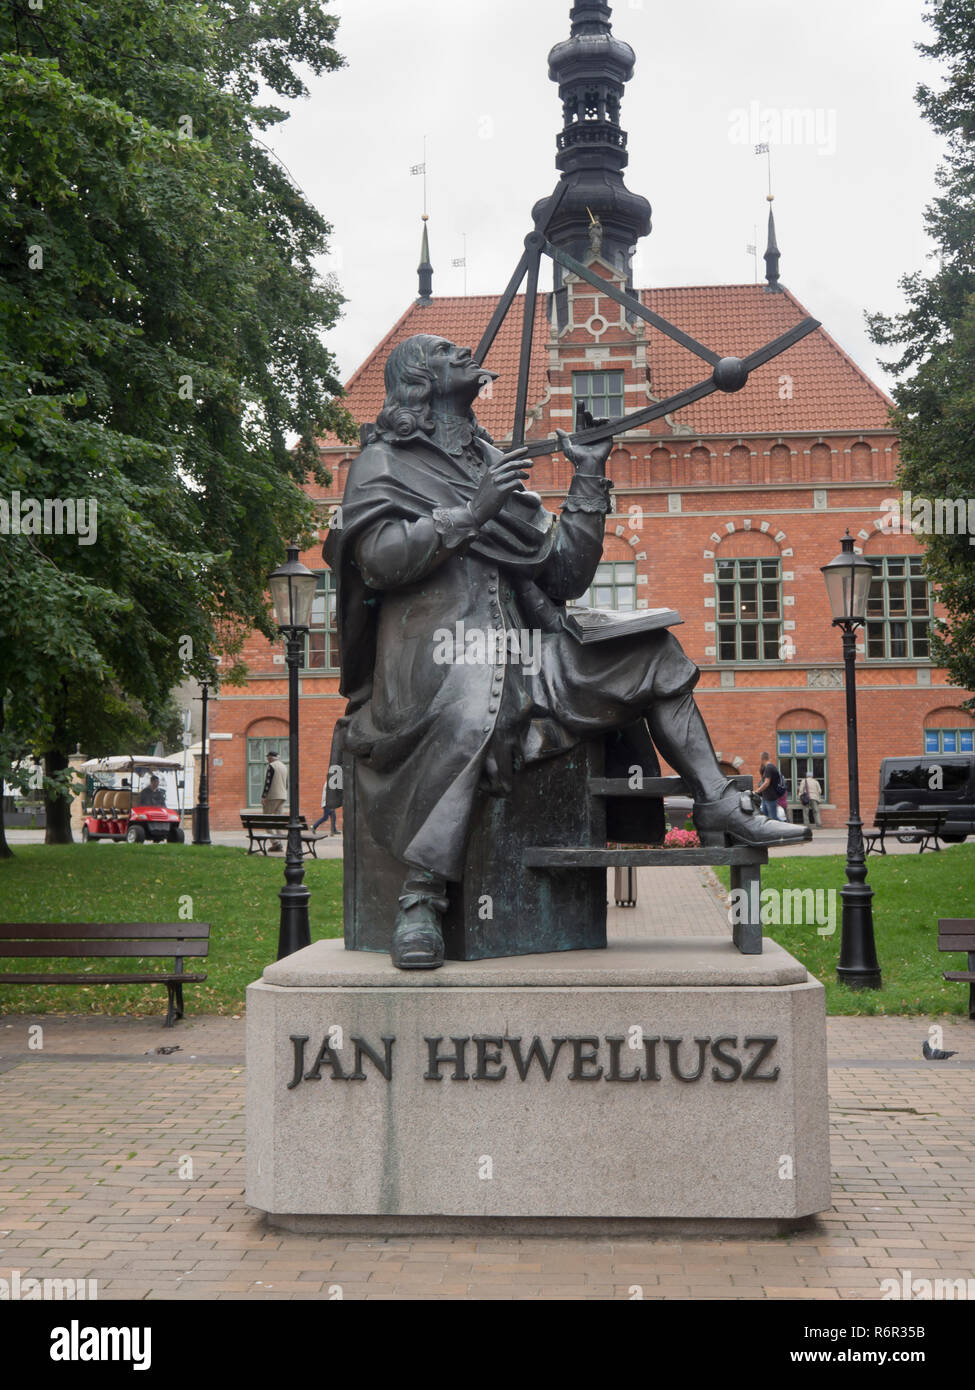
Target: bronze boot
[
  {"x": 417, "y": 938},
  {"x": 734, "y": 820}
]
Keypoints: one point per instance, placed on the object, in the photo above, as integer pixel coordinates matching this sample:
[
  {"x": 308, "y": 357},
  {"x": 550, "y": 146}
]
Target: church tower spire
[
  {"x": 591, "y": 68},
  {"x": 772, "y": 255},
  {"x": 425, "y": 269}
]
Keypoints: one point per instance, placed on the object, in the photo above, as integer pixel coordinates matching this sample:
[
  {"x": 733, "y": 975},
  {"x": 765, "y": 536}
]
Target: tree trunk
[
  {"x": 5, "y": 851},
  {"x": 57, "y": 808}
]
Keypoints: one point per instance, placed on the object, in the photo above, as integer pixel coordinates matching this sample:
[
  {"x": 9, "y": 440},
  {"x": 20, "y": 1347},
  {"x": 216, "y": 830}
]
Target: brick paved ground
[
  {"x": 687, "y": 904},
  {"x": 95, "y": 1136}
]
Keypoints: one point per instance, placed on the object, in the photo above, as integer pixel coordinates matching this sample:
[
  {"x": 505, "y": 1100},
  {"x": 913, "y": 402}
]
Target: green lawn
[
  {"x": 911, "y": 891},
  {"x": 236, "y": 894}
]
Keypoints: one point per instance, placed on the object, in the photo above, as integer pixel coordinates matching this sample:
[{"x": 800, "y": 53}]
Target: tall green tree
[
  {"x": 162, "y": 364},
  {"x": 935, "y": 337}
]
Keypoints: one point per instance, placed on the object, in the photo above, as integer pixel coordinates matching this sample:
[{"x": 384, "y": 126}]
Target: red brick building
[{"x": 725, "y": 511}]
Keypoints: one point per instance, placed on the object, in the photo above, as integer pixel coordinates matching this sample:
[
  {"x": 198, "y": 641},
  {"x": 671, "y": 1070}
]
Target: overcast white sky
[{"x": 471, "y": 76}]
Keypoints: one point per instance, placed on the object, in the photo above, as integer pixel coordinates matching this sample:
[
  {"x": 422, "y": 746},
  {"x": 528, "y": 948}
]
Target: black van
[{"x": 929, "y": 782}]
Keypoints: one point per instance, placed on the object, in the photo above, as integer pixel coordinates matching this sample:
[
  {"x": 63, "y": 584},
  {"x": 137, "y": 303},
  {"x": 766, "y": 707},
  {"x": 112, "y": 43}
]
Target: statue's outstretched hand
[
  {"x": 587, "y": 459},
  {"x": 497, "y": 484}
]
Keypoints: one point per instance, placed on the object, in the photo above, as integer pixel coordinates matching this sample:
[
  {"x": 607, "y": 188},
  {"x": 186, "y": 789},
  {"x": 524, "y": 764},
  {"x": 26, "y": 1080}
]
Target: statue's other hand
[{"x": 587, "y": 459}]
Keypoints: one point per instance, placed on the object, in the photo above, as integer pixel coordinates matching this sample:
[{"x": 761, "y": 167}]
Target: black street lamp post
[
  {"x": 201, "y": 819},
  {"x": 292, "y": 593},
  {"x": 848, "y": 579}
]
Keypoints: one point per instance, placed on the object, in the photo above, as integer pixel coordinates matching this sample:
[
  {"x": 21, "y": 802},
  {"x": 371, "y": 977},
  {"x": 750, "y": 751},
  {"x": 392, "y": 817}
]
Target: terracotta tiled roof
[{"x": 828, "y": 390}]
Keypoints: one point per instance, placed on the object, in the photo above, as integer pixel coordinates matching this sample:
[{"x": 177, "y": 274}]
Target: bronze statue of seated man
[{"x": 459, "y": 661}]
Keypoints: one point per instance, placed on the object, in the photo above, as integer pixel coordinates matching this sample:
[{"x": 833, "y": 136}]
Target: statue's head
[{"x": 423, "y": 373}]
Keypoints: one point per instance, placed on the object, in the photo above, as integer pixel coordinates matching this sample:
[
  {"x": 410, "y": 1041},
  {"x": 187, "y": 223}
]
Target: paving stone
[{"x": 74, "y": 1204}]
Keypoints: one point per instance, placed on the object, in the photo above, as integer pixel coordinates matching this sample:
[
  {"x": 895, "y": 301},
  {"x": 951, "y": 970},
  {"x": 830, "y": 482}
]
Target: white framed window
[{"x": 749, "y": 609}]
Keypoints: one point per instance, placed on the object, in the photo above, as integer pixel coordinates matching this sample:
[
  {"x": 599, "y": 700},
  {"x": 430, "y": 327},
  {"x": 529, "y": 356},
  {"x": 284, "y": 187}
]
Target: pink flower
[{"x": 681, "y": 839}]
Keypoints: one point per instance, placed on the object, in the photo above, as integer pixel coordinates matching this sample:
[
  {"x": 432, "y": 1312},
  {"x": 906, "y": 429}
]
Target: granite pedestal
[{"x": 665, "y": 1082}]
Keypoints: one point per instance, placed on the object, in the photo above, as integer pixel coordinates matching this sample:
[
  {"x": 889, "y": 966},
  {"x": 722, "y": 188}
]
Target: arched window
[
  {"x": 801, "y": 745},
  {"x": 614, "y": 586},
  {"x": 949, "y": 730},
  {"x": 257, "y": 751},
  {"x": 748, "y": 598}
]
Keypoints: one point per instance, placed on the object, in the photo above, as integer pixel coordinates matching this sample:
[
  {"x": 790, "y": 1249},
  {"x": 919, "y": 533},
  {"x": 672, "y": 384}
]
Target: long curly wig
[{"x": 408, "y": 407}]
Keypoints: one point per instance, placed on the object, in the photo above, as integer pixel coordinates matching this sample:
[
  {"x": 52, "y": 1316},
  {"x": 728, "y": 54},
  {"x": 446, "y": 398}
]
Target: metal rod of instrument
[{"x": 527, "y": 338}]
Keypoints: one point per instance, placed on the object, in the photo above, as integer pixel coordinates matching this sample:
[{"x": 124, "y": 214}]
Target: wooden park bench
[
  {"x": 928, "y": 824},
  {"x": 262, "y": 830},
  {"x": 958, "y": 934},
  {"x": 89, "y": 940}
]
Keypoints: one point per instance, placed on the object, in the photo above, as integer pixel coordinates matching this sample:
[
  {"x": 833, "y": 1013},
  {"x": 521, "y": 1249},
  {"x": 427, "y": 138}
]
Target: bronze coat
[{"x": 428, "y": 733}]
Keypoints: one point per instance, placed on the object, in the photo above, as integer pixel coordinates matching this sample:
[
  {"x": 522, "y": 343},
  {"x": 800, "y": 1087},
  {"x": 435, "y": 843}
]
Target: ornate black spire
[
  {"x": 425, "y": 270},
  {"x": 591, "y": 68},
  {"x": 773, "y": 255}
]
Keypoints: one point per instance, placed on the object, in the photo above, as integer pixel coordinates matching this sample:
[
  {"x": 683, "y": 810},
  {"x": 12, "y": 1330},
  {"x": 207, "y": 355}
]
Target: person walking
[
  {"x": 810, "y": 795},
  {"x": 328, "y": 812},
  {"x": 275, "y": 794},
  {"x": 771, "y": 788}
]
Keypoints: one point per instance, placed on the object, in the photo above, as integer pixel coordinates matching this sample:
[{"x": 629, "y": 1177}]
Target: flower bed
[{"x": 682, "y": 839}]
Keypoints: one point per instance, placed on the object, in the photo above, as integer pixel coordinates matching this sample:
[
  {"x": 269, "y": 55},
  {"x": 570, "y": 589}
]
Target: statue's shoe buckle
[{"x": 734, "y": 820}]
